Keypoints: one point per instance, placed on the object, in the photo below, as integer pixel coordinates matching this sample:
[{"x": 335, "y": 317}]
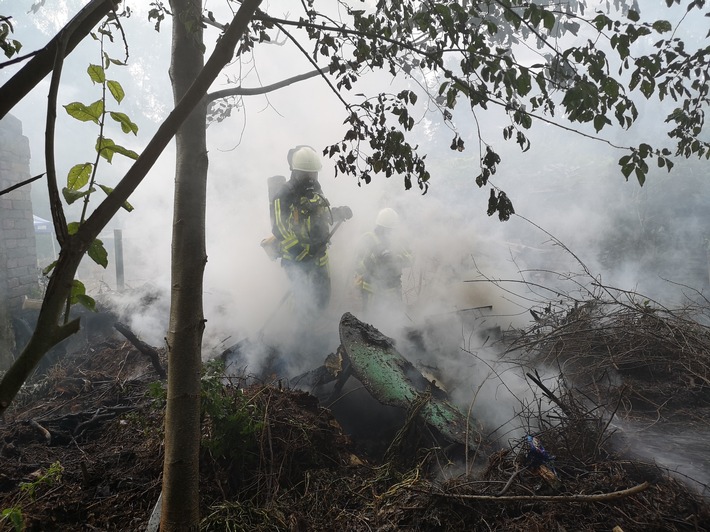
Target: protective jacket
[
  {"x": 379, "y": 266},
  {"x": 302, "y": 220}
]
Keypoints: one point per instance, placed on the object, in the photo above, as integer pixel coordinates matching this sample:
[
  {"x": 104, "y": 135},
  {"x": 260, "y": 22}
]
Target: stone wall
[{"x": 18, "y": 254}]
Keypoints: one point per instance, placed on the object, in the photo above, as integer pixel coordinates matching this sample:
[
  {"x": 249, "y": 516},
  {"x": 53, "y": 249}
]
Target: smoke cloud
[{"x": 566, "y": 186}]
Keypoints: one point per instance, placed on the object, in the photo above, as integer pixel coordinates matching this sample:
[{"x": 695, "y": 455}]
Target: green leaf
[
  {"x": 14, "y": 515},
  {"x": 98, "y": 253},
  {"x": 627, "y": 165},
  {"x": 647, "y": 87},
  {"x": 662, "y": 26},
  {"x": 104, "y": 147},
  {"x": 492, "y": 203},
  {"x": 640, "y": 176},
  {"x": 601, "y": 21},
  {"x": 72, "y": 195},
  {"x": 117, "y": 62},
  {"x": 445, "y": 13},
  {"x": 96, "y": 73},
  {"x": 611, "y": 88},
  {"x": 126, "y": 124},
  {"x": 599, "y": 122},
  {"x": 77, "y": 289},
  {"x": 86, "y": 301},
  {"x": 125, "y": 152},
  {"x": 78, "y": 295},
  {"x": 83, "y": 113},
  {"x": 524, "y": 83},
  {"x": 633, "y": 15},
  {"x": 72, "y": 227},
  {"x": 97, "y": 108},
  {"x": 79, "y": 175},
  {"x": 49, "y": 268},
  {"x": 548, "y": 21},
  {"x": 116, "y": 90},
  {"x": 108, "y": 191},
  {"x": 107, "y": 147},
  {"x": 644, "y": 150}
]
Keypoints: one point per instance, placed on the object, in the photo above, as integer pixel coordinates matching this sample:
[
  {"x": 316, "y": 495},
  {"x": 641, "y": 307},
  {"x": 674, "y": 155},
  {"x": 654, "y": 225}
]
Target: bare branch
[
  {"x": 18, "y": 59},
  {"x": 221, "y": 55},
  {"x": 20, "y": 184},
  {"x": 600, "y": 497},
  {"x": 42, "y": 63},
  {"x": 58, "y": 218},
  {"x": 244, "y": 91},
  {"x": 144, "y": 348}
]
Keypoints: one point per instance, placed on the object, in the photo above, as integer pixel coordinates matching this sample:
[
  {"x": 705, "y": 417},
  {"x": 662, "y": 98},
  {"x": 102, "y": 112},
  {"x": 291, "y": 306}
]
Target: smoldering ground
[{"x": 570, "y": 188}]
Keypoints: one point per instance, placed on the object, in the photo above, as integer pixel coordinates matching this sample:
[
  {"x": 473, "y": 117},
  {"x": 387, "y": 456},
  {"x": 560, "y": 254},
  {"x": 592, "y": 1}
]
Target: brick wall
[{"x": 18, "y": 254}]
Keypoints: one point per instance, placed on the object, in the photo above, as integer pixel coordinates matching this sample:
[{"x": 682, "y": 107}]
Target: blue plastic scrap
[{"x": 537, "y": 455}]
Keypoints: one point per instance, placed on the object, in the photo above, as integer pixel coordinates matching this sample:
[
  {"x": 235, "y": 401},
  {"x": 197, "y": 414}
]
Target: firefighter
[
  {"x": 380, "y": 261},
  {"x": 302, "y": 221}
]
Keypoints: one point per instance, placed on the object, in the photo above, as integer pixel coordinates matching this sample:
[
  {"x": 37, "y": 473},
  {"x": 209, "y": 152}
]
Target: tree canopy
[{"x": 581, "y": 67}]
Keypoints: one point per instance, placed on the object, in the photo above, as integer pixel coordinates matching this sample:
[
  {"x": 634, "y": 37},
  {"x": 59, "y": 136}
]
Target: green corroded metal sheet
[{"x": 394, "y": 381}]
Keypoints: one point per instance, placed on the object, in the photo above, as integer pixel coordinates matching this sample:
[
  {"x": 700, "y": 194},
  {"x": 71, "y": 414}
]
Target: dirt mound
[{"x": 93, "y": 418}]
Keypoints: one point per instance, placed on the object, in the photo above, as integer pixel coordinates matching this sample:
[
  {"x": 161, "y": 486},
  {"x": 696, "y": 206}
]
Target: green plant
[
  {"x": 231, "y": 418},
  {"x": 8, "y": 45},
  {"x": 157, "y": 392},
  {"x": 82, "y": 178},
  {"x": 13, "y": 514},
  {"x": 53, "y": 474}
]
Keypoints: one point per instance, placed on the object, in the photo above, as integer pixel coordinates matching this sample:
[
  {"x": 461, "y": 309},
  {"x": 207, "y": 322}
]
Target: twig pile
[
  {"x": 292, "y": 468},
  {"x": 652, "y": 359}
]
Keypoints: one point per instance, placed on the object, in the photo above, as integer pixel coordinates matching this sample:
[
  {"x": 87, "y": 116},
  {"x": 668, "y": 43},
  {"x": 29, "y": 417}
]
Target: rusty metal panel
[{"x": 394, "y": 381}]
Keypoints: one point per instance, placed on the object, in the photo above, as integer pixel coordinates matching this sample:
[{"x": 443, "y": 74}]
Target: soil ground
[{"x": 97, "y": 415}]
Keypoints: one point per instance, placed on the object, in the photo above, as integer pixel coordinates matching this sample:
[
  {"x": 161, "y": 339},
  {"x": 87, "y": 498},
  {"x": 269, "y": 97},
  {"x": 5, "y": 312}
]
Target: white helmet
[
  {"x": 306, "y": 159},
  {"x": 387, "y": 218}
]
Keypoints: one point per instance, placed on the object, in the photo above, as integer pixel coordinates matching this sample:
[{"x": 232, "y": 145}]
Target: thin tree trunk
[
  {"x": 48, "y": 332},
  {"x": 180, "y": 509}
]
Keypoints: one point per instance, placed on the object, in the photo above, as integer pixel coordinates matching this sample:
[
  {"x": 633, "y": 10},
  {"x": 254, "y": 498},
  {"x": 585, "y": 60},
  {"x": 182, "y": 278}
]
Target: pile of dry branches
[
  {"x": 292, "y": 468},
  {"x": 308, "y": 477},
  {"x": 626, "y": 352}
]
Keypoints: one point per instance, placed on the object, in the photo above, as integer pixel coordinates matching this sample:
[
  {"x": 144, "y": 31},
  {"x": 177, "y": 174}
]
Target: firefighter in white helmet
[
  {"x": 381, "y": 259},
  {"x": 302, "y": 220}
]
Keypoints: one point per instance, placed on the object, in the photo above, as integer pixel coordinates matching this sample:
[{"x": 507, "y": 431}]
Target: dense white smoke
[{"x": 565, "y": 185}]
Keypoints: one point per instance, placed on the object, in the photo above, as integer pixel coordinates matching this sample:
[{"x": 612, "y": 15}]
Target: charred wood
[{"x": 144, "y": 348}]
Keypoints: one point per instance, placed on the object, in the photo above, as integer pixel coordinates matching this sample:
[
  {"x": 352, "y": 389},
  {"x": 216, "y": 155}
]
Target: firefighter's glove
[{"x": 340, "y": 214}]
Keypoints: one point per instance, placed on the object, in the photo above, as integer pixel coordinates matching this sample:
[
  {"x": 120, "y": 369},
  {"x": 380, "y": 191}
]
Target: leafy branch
[
  {"x": 578, "y": 79},
  {"x": 13, "y": 514},
  {"x": 81, "y": 179}
]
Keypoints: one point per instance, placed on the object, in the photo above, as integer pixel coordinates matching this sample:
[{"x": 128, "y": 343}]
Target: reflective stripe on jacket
[
  {"x": 302, "y": 220},
  {"x": 379, "y": 269}
]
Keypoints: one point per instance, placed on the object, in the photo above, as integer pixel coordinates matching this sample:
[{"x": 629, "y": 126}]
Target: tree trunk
[
  {"x": 180, "y": 507},
  {"x": 48, "y": 332}
]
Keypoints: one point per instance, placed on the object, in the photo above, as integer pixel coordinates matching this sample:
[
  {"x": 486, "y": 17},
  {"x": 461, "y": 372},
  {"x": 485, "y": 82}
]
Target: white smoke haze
[{"x": 567, "y": 185}]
